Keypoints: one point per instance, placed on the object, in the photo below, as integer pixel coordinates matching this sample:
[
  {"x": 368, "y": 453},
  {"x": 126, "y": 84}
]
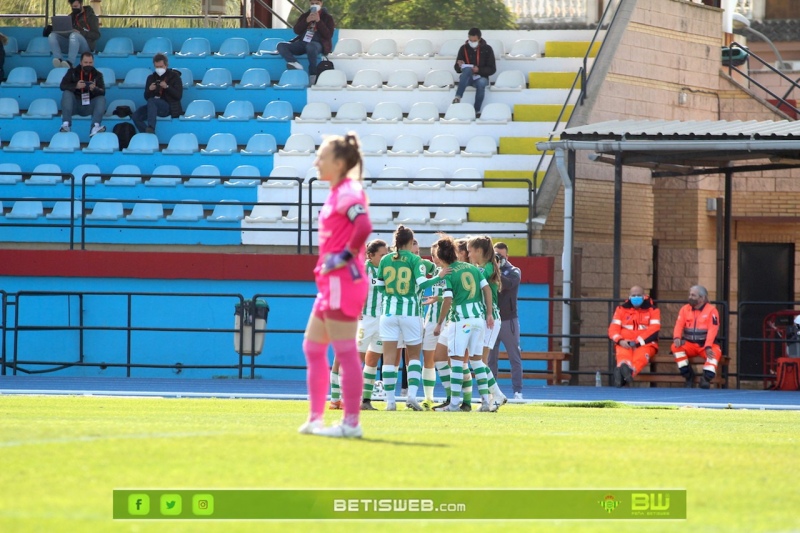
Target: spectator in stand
[
  {"x": 314, "y": 31},
  {"x": 163, "y": 92},
  {"x": 695, "y": 334},
  {"x": 84, "y": 35},
  {"x": 84, "y": 94},
  {"x": 474, "y": 63},
  {"x": 3, "y": 42}
]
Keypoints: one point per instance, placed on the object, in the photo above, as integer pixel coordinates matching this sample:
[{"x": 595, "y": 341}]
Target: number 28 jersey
[{"x": 402, "y": 276}]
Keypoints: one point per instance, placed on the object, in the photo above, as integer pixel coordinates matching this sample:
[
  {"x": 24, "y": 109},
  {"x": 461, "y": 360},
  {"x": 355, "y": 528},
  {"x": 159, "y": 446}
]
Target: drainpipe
[{"x": 566, "y": 256}]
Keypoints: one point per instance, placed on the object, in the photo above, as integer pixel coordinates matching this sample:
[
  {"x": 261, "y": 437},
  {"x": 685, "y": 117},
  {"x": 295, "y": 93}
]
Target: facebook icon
[{"x": 138, "y": 504}]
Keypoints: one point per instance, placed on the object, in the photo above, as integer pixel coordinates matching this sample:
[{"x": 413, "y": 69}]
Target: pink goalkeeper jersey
[{"x": 335, "y": 227}]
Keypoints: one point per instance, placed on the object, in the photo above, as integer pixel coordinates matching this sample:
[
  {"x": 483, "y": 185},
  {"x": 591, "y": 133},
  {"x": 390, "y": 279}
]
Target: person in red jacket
[
  {"x": 695, "y": 335},
  {"x": 634, "y": 330}
]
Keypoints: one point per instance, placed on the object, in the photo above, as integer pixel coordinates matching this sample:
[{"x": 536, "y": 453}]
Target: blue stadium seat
[
  {"x": 26, "y": 209},
  {"x": 10, "y": 173},
  {"x": 199, "y": 110},
  {"x": 23, "y": 141},
  {"x": 45, "y": 174},
  {"x": 293, "y": 79},
  {"x": 254, "y": 78},
  {"x": 216, "y": 78},
  {"x": 277, "y": 111},
  {"x": 9, "y": 107},
  {"x": 182, "y": 143},
  {"x": 186, "y": 212},
  {"x": 54, "y": 77},
  {"x": 204, "y": 176},
  {"x": 146, "y": 212},
  {"x": 21, "y": 77},
  {"x": 117, "y": 103},
  {"x": 38, "y": 46},
  {"x": 142, "y": 143},
  {"x": 227, "y": 212},
  {"x": 135, "y": 78},
  {"x": 268, "y": 47},
  {"x": 106, "y": 211},
  {"x": 41, "y": 108},
  {"x": 102, "y": 143},
  {"x": 11, "y": 47},
  {"x": 195, "y": 47},
  {"x": 165, "y": 176},
  {"x": 125, "y": 176},
  {"x": 239, "y": 111},
  {"x": 117, "y": 47},
  {"x": 261, "y": 144},
  {"x": 246, "y": 171},
  {"x": 187, "y": 77},
  {"x": 80, "y": 172},
  {"x": 220, "y": 144},
  {"x": 234, "y": 47},
  {"x": 156, "y": 45},
  {"x": 64, "y": 142},
  {"x": 109, "y": 76},
  {"x": 65, "y": 210}
]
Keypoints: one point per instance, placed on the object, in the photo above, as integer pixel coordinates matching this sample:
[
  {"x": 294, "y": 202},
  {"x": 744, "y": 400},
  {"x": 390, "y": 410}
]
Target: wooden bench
[
  {"x": 554, "y": 375},
  {"x": 719, "y": 381}
]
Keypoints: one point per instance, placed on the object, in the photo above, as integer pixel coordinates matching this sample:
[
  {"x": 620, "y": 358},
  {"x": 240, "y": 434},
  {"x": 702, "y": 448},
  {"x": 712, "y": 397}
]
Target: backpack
[
  {"x": 788, "y": 376},
  {"x": 322, "y": 66},
  {"x": 124, "y": 132}
]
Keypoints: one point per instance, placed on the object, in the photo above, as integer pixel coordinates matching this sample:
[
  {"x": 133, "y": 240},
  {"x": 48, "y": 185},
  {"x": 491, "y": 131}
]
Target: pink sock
[
  {"x": 318, "y": 377},
  {"x": 350, "y": 378}
]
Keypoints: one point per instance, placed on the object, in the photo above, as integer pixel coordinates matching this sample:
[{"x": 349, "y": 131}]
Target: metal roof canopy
[{"x": 671, "y": 148}]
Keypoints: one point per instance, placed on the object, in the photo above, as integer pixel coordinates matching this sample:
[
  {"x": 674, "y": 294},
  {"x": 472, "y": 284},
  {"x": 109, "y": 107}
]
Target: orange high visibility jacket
[
  {"x": 699, "y": 326},
  {"x": 636, "y": 324}
]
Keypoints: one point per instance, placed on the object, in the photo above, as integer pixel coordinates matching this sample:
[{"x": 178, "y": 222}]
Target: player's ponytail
[
  {"x": 403, "y": 236},
  {"x": 446, "y": 250}
]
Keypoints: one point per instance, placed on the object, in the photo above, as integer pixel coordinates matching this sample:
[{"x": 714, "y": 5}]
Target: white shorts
[
  {"x": 444, "y": 334},
  {"x": 429, "y": 339},
  {"x": 466, "y": 336},
  {"x": 369, "y": 335},
  {"x": 490, "y": 336},
  {"x": 407, "y": 329}
]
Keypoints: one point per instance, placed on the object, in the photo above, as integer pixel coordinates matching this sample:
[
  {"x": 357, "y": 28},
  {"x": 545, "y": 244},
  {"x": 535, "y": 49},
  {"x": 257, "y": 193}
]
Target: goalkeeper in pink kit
[{"x": 344, "y": 227}]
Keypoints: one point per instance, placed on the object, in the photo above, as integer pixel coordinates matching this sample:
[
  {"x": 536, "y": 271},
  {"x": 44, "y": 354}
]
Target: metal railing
[{"x": 781, "y": 100}]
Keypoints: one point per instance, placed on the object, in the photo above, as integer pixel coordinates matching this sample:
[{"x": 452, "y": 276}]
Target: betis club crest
[{"x": 609, "y": 503}]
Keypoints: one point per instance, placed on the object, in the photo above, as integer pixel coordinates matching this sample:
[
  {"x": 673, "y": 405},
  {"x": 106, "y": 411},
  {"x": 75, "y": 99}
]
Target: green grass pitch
[{"x": 60, "y": 458}]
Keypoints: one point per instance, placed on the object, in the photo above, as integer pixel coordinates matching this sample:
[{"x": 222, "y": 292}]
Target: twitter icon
[{"x": 171, "y": 504}]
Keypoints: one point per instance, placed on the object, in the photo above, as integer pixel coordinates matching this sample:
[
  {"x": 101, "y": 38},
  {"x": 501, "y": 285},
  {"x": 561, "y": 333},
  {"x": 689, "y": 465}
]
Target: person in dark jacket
[
  {"x": 509, "y": 320},
  {"x": 314, "y": 31},
  {"x": 84, "y": 35},
  {"x": 3, "y": 43},
  {"x": 163, "y": 91},
  {"x": 84, "y": 94},
  {"x": 475, "y": 63}
]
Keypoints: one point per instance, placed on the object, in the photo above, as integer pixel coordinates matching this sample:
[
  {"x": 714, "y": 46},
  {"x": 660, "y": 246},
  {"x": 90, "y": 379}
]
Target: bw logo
[{"x": 642, "y": 501}]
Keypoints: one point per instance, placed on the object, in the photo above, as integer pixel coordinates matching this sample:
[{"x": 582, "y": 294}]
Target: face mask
[
  {"x": 637, "y": 300},
  {"x": 473, "y": 44},
  {"x": 693, "y": 302},
  {"x": 76, "y": 11},
  {"x": 161, "y": 71},
  {"x": 87, "y": 70},
  {"x": 315, "y": 8}
]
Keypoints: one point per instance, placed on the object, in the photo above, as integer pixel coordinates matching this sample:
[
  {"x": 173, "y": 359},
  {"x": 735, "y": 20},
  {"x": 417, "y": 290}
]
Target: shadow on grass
[
  {"x": 401, "y": 443},
  {"x": 606, "y": 404}
]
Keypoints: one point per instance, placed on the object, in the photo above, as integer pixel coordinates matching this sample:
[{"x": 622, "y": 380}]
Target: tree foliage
[{"x": 421, "y": 14}]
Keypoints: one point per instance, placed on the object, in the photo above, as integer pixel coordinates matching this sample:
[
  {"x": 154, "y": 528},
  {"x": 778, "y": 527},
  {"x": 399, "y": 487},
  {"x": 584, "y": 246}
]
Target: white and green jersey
[
  {"x": 432, "y": 313},
  {"x": 463, "y": 284},
  {"x": 372, "y": 307},
  {"x": 430, "y": 269},
  {"x": 487, "y": 270},
  {"x": 401, "y": 277}
]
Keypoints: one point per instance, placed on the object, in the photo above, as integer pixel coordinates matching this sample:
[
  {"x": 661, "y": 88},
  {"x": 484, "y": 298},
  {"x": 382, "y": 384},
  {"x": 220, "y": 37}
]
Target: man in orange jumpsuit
[
  {"x": 634, "y": 330},
  {"x": 695, "y": 335}
]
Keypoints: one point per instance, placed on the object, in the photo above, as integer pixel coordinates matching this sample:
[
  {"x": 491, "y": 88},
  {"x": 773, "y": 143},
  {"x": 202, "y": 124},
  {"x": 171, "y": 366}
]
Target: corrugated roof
[{"x": 686, "y": 129}]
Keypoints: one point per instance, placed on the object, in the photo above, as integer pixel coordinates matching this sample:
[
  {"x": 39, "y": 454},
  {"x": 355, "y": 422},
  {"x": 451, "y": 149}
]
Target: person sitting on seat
[
  {"x": 163, "y": 91},
  {"x": 85, "y": 33},
  {"x": 634, "y": 330},
  {"x": 695, "y": 335},
  {"x": 84, "y": 94},
  {"x": 314, "y": 31},
  {"x": 474, "y": 64}
]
